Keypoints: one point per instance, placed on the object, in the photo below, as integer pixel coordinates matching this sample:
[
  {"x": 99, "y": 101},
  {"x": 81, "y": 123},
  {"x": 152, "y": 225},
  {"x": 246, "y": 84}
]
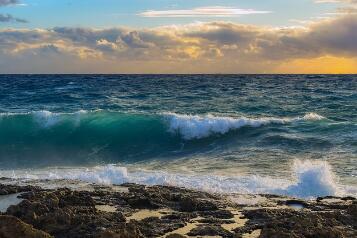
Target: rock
[
  {"x": 291, "y": 202},
  {"x": 175, "y": 236},
  {"x": 155, "y": 227},
  {"x": 141, "y": 203},
  {"x": 215, "y": 221},
  {"x": 220, "y": 214},
  {"x": 209, "y": 230},
  {"x": 11, "y": 189},
  {"x": 352, "y": 211},
  {"x": 65, "y": 213},
  {"x": 11, "y": 227},
  {"x": 129, "y": 230},
  {"x": 348, "y": 198},
  {"x": 292, "y": 223},
  {"x": 189, "y": 204}
]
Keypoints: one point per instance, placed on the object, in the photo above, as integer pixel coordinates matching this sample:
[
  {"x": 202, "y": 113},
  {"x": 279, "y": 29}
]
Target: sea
[{"x": 293, "y": 135}]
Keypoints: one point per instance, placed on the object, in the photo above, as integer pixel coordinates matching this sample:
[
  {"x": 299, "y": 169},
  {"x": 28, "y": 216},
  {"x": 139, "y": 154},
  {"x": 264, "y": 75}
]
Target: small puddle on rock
[
  {"x": 8, "y": 200},
  {"x": 297, "y": 205}
]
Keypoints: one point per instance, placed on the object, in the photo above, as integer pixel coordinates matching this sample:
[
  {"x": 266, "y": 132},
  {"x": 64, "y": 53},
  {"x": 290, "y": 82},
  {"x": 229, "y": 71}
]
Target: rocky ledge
[{"x": 132, "y": 210}]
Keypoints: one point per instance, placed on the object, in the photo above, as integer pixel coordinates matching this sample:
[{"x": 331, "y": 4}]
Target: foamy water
[
  {"x": 197, "y": 127},
  {"x": 308, "y": 179}
]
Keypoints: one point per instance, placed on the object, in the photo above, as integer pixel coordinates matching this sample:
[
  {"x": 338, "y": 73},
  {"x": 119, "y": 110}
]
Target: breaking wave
[
  {"x": 196, "y": 127},
  {"x": 46, "y": 138},
  {"x": 308, "y": 179},
  {"x": 188, "y": 126}
]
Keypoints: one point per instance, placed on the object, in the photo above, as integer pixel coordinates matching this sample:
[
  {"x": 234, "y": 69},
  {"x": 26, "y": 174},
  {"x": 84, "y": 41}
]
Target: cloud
[
  {"x": 10, "y": 18},
  {"x": 215, "y": 11},
  {"x": 336, "y": 1},
  {"x": 329, "y": 1},
  {"x": 8, "y": 2},
  {"x": 211, "y": 47}
]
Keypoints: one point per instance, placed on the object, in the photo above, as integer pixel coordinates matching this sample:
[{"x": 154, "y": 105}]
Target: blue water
[{"x": 194, "y": 125}]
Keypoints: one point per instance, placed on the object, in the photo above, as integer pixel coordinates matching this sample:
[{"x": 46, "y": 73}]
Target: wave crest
[{"x": 197, "y": 127}]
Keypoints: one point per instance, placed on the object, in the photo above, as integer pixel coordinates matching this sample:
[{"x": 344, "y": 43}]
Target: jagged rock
[
  {"x": 220, "y": 214},
  {"x": 11, "y": 227},
  {"x": 155, "y": 227},
  {"x": 141, "y": 203},
  {"x": 209, "y": 230},
  {"x": 175, "y": 236},
  {"x": 11, "y": 189},
  {"x": 189, "y": 204},
  {"x": 216, "y": 221},
  {"x": 128, "y": 230},
  {"x": 291, "y": 223},
  {"x": 65, "y": 213}
]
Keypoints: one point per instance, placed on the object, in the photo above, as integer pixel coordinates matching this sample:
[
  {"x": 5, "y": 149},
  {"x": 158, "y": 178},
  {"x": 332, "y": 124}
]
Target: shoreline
[{"x": 132, "y": 210}]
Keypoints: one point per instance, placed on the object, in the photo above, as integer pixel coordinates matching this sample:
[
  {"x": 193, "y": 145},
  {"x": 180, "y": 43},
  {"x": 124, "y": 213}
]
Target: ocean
[{"x": 291, "y": 135}]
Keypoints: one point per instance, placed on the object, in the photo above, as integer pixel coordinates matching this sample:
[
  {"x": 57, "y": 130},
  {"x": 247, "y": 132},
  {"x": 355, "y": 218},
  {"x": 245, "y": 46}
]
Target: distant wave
[
  {"x": 308, "y": 179},
  {"x": 45, "y": 138},
  {"x": 188, "y": 126}
]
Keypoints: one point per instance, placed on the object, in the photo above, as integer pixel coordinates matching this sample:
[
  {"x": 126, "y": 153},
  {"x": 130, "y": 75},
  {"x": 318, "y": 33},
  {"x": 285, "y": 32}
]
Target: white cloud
[
  {"x": 336, "y": 1},
  {"x": 215, "y": 11}
]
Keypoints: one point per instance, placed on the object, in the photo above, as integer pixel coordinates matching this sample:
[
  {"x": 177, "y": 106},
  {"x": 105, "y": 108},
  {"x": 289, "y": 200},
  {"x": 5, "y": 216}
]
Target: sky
[{"x": 178, "y": 36}]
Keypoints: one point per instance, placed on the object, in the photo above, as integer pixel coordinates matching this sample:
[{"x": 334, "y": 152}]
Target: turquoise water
[{"x": 181, "y": 128}]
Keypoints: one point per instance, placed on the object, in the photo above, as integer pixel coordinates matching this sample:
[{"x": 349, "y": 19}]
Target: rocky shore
[{"x": 132, "y": 210}]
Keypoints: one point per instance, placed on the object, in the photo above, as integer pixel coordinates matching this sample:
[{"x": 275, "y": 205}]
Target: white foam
[
  {"x": 188, "y": 126},
  {"x": 197, "y": 127},
  {"x": 48, "y": 119},
  {"x": 313, "y": 117},
  {"x": 308, "y": 179},
  {"x": 314, "y": 178}
]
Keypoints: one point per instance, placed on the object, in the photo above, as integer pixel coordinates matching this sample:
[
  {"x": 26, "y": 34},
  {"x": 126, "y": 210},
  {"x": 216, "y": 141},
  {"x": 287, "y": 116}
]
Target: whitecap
[{"x": 197, "y": 127}]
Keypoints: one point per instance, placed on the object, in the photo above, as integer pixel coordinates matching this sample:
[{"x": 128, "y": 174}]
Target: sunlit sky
[
  {"x": 178, "y": 36},
  {"x": 111, "y": 13}
]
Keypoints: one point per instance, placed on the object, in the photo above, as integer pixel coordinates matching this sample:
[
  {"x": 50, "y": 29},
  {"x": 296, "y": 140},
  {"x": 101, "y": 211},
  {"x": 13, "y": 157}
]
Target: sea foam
[
  {"x": 308, "y": 179},
  {"x": 313, "y": 178}
]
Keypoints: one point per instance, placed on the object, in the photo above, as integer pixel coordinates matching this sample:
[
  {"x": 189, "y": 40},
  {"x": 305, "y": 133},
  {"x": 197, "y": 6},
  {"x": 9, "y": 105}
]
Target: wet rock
[{"x": 11, "y": 227}]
